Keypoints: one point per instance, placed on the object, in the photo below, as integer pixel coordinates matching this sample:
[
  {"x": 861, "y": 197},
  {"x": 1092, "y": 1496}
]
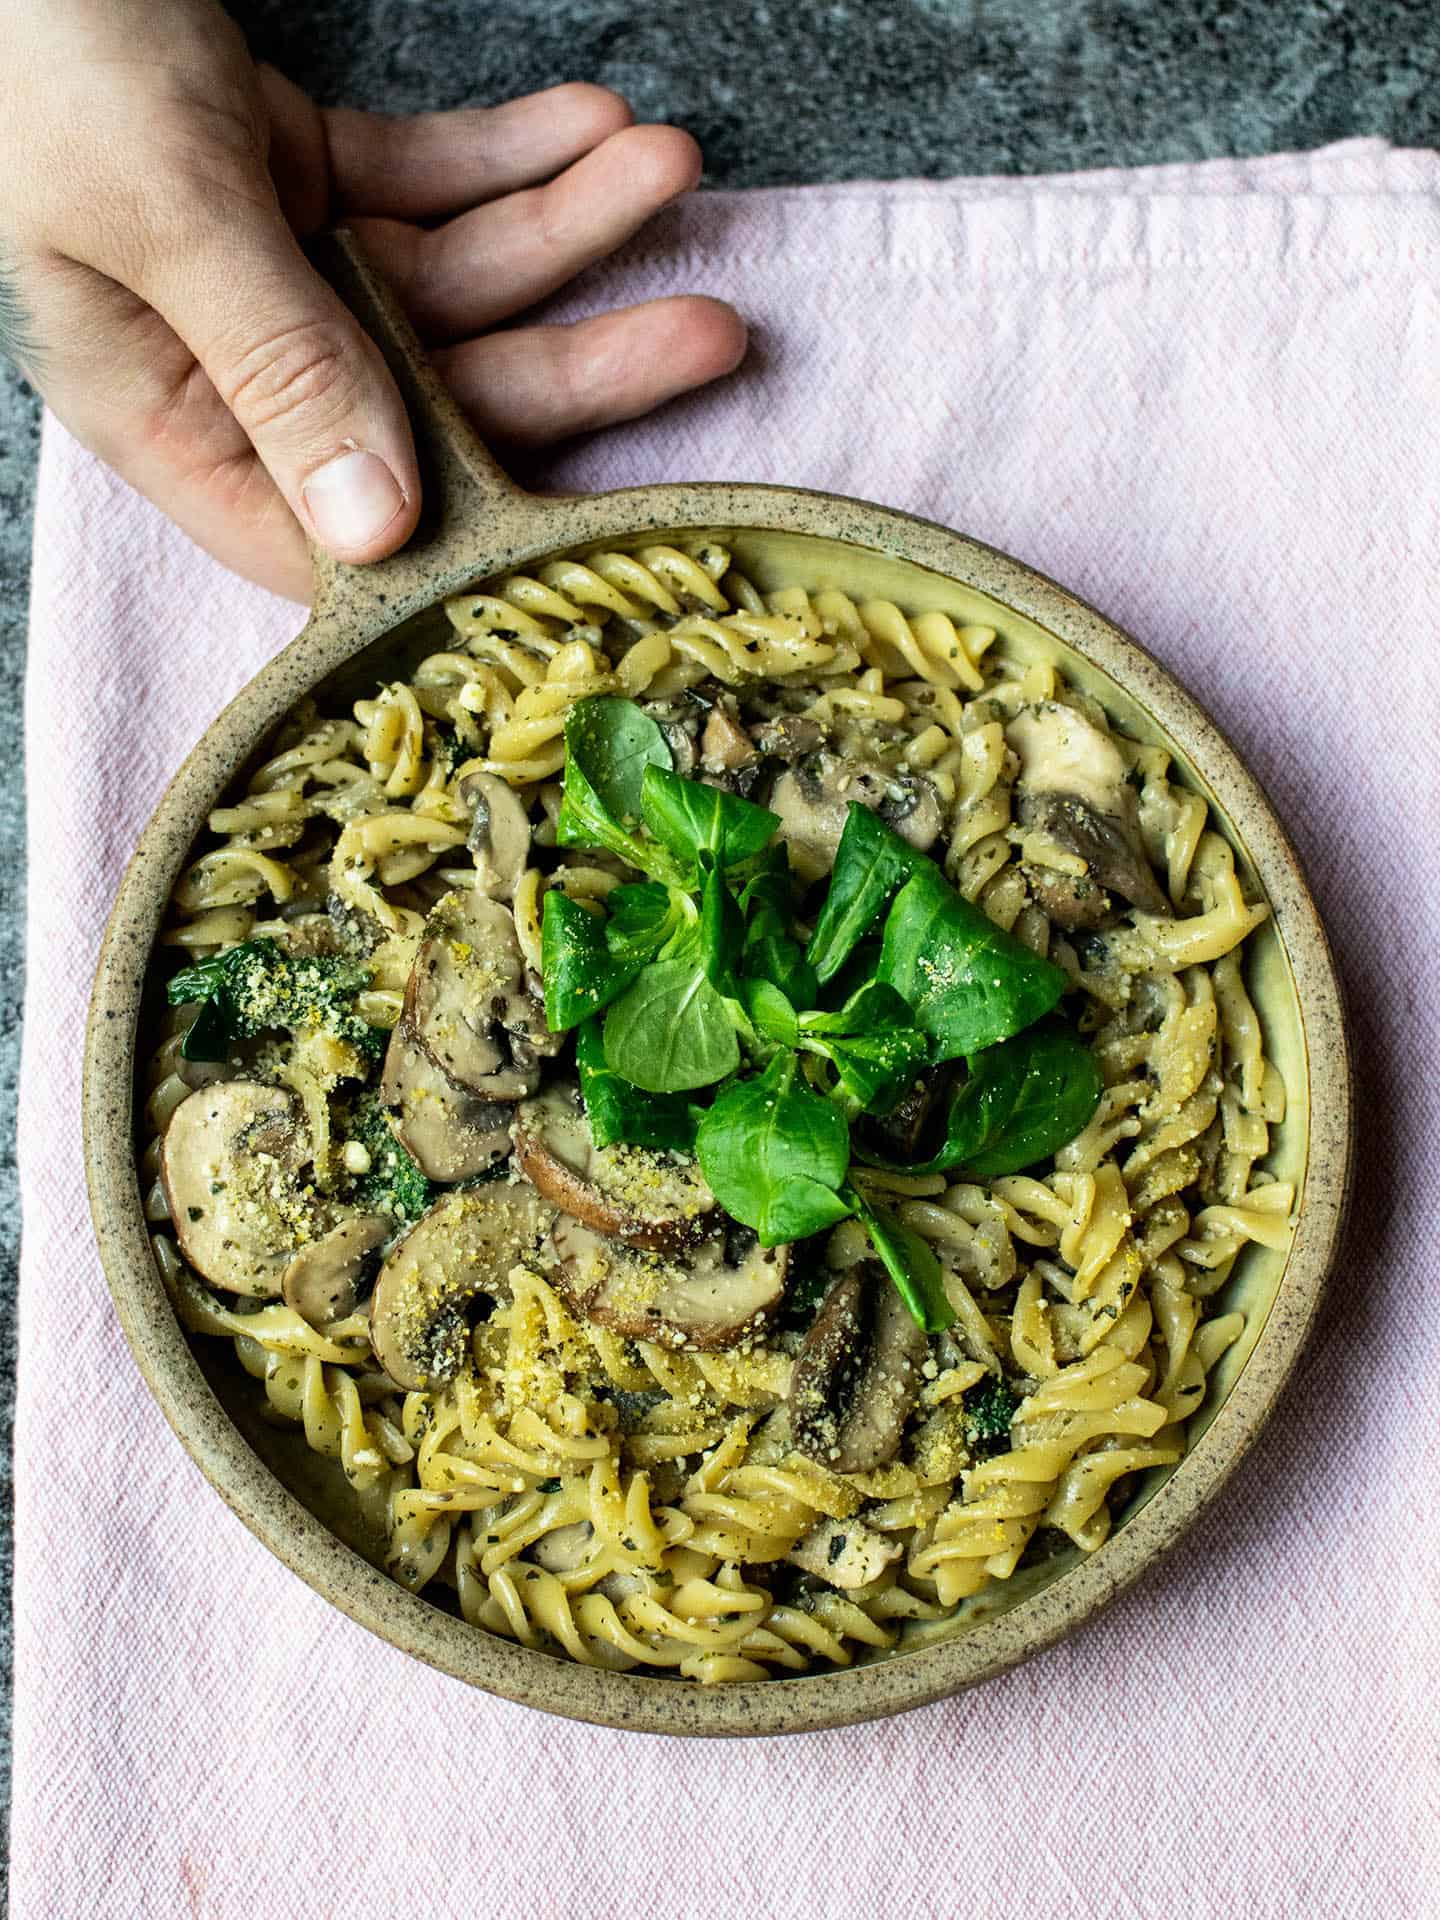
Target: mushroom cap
[
  {"x": 857, "y": 1375},
  {"x": 323, "y": 1282},
  {"x": 634, "y": 1194},
  {"x": 813, "y": 798},
  {"x": 468, "y": 1004},
  {"x": 499, "y": 833},
  {"x": 717, "y": 1294},
  {"x": 448, "y": 1131},
  {"x": 1072, "y": 786},
  {"x": 467, "y": 1244},
  {"x": 230, "y": 1164}
]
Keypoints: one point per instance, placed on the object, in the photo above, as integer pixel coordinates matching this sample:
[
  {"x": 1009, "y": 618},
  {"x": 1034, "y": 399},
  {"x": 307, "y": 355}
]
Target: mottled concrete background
[{"x": 784, "y": 92}]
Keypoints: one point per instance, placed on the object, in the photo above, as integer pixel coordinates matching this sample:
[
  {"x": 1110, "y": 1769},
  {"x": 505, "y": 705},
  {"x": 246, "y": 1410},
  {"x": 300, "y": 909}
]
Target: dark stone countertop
[{"x": 779, "y": 92}]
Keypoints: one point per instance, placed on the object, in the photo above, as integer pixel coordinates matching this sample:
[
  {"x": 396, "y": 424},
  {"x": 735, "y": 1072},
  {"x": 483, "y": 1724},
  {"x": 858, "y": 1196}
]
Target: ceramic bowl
[{"x": 477, "y": 524}]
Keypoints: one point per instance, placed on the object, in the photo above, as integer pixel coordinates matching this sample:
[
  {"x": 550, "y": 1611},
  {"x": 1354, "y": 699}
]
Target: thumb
[{"x": 306, "y": 384}]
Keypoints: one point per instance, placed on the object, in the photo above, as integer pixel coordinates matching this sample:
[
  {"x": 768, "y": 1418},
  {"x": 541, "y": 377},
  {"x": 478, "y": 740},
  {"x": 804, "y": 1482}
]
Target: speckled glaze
[{"x": 477, "y": 524}]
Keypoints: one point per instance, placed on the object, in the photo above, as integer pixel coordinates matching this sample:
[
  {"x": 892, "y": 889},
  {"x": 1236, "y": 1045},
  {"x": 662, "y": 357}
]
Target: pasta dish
[{"x": 723, "y": 1114}]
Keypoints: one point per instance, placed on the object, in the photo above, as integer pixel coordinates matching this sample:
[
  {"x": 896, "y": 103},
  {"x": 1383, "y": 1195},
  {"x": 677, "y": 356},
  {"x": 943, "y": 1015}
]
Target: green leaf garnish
[
  {"x": 260, "y": 985},
  {"x": 689, "y": 818},
  {"x": 871, "y": 861},
  {"x": 910, "y": 1263},
  {"x": 608, "y": 744},
  {"x": 581, "y": 972},
  {"x": 967, "y": 982},
  {"x": 670, "y": 1030},
  {"x": 622, "y": 1113},
  {"x": 775, "y": 1154}
]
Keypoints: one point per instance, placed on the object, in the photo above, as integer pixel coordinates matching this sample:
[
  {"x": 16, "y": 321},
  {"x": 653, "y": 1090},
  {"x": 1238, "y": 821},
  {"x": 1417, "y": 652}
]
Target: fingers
[
  {"x": 304, "y": 384},
  {"x": 538, "y": 384},
  {"x": 491, "y": 263},
  {"x": 129, "y": 389},
  {"x": 436, "y": 163}
]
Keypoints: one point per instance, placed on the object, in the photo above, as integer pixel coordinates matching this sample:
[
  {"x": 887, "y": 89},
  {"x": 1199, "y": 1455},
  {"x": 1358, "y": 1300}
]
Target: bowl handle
[{"x": 464, "y": 487}]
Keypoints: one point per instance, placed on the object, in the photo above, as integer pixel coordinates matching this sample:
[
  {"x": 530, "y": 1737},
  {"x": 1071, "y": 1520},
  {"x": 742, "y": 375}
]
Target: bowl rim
[{"x": 361, "y": 610}]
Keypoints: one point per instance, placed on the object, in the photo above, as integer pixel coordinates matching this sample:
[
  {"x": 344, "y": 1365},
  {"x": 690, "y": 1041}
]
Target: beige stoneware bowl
[{"x": 477, "y": 524}]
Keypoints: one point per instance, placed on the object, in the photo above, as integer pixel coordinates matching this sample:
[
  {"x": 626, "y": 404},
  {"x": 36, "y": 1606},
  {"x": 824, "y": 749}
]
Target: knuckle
[{"x": 307, "y": 370}]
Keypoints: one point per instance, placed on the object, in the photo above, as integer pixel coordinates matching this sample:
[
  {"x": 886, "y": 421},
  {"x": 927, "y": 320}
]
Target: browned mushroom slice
[
  {"x": 449, "y": 1132},
  {"x": 813, "y": 798},
  {"x": 1072, "y": 788},
  {"x": 789, "y": 736},
  {"x": 499, "y": 833},
  {"x": 857, "y": 1375},
  {"x": 468, "y": 1004},
  {"x": 847, "y": 1553},
  {"x": 724, "y": 744},
  {"x": 230, "y": 1164},
  {"x": 466, "y": 1245},
  {"x": 648, "y": 1199},
  {"x": 717, "y": 1294},
  {"x": 324, "y": 1280}
]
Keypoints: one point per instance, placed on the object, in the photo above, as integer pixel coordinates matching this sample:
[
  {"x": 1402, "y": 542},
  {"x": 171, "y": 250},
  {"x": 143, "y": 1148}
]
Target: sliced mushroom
[
  {"x": 631, "y": 1193},
  {"x": 499, "y": 833},
  {"x": 813, "y": 797},
  {"x": 857, "y": 1375},
  {"x": 230, "y": 1164},
  {"x": 467, "y": 1002},
  {"x": 1071, "y": 900},
  {"x": 324, "y": 1281},
  {"x": 717, "y": 1294},
  {"x": 449, "y": 1132},
  {"x": 1072, "y": 787},
  {"x": 847, "y": 1553},
  {"x": 725, "y": 745},
  {"x": 466, "y": 1245},
  {"x": 789, "y": 736}
]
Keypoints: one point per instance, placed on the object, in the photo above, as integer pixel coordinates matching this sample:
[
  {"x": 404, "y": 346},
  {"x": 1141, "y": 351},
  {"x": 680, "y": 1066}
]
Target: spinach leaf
[
  {"x": 990, "y": 1407},
  {"x": 1036, "y": 1093},
  {"x": 613, "y": 741},
  {"x": 910, "y": 1263},
  {"x": 608, "y": 744},
  {"x": 871, "y": 861},
  {"x": 689, "y": 818},
  {"x": 642, "y": 918},
  {"x": 771, "y": 951},
  {"x": 722, "y": 928},
  {"x": 1021, "y": 1101},
  {"x": 260, "y": 985},
  {"x": 873, "y": 1045},
  {"x": 670, "y": 1030},
  {"x": 619, "y": 1112},
  {"x": 968, "y": 983},
  {"x": 872, "y": 1070},
  {"x": 873, "y": 1004},
  {"x": 775, "y": 1154},
  {"x": 771, "y": 1013},
  {"x": 581, "y": 973}
]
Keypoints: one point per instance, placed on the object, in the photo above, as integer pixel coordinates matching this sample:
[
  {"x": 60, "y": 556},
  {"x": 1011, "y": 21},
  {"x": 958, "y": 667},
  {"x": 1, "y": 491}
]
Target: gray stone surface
[{"x": 781, "y": 92}]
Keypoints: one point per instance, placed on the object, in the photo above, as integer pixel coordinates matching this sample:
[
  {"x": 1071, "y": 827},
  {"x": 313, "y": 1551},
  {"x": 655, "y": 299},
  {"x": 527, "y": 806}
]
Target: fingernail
[{"x": 351, "y": 500}]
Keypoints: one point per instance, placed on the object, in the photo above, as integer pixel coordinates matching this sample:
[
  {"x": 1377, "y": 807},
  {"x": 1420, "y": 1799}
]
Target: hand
[{"x": 153, "y": 287}]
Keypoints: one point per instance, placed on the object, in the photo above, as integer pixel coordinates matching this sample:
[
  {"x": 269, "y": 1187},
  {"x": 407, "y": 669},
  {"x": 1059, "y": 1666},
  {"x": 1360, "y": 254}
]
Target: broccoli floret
[
  {"x": 989, "y": 1409},
  {"x": 258, "y": 985},
  {"x": 393, "y": 1183}
]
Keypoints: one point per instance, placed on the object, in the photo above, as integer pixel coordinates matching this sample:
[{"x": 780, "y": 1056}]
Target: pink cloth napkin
[{"x": 1205, "y": 397}]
